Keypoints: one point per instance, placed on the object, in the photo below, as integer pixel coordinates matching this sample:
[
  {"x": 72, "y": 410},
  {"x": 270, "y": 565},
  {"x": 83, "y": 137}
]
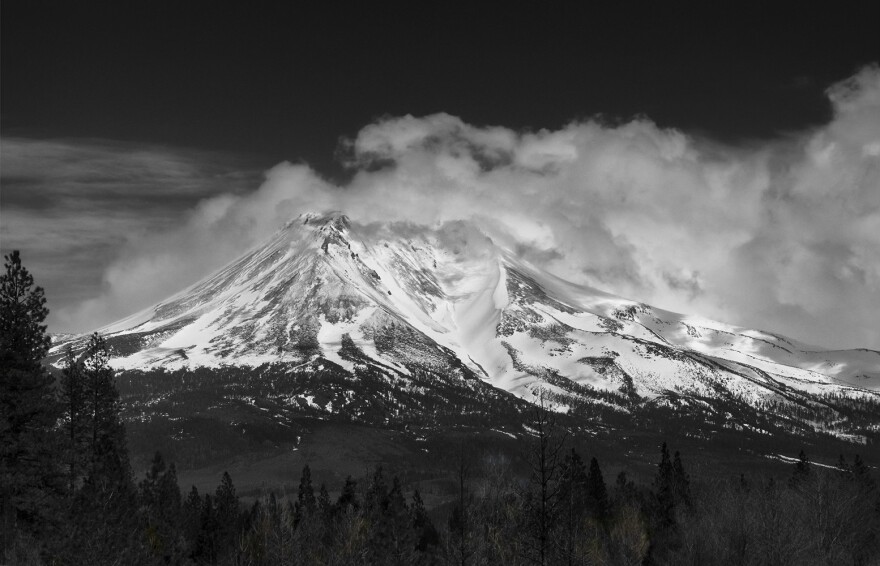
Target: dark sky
[{"x": 280, "y": 82}]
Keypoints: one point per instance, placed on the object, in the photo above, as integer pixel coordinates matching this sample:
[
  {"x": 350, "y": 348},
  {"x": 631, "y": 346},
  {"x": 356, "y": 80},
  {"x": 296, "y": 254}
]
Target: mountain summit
[{"x": 404, "y": 299}]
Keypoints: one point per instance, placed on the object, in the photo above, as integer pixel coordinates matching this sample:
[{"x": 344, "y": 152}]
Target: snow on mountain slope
[{"x": 448, "y": 300}]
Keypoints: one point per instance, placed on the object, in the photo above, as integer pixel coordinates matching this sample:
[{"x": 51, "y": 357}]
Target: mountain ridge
[{"x": 447, "y": 300}]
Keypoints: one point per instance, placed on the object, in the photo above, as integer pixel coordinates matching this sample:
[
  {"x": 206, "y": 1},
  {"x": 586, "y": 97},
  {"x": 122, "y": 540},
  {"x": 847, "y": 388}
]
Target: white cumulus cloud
[{"x": 782, "y": 235}]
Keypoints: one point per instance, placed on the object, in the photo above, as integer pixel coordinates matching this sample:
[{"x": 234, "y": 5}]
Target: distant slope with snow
[{"x": 404, "y": 299}]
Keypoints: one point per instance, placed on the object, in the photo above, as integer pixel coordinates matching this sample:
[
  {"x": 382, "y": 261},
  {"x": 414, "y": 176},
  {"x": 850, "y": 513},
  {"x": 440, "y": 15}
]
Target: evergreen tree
[
  {"x": 227, "y": 514},
  {"x": 29, "y": 474},
  {"x": 426, "y": 534},
  {"x": 801, "y": 470},
  {"x": 664, "y": 490},
  {"x": 109, "y": 477},
  {"x": 376, "y": 498},
  {"x": 597, "y": 493},
  {"x": 573, "y": 483},
  {"x": 325, "y": 513},
  {"x": 149, "y": 486},
  {"x": 324, "y": 505},
  {"x": 376, "y": 503},
  {"x": 161, "y": 510},
  {"x": 208, "y": 535},
  {"x": 305, "y": 499},
  {"x": 348, "y": 497},
  {"x": 573, "y": 495},
  {"x": 75, "y": 422},
  {"x": 862, "y": 474},
  {"x": 396, "y": 527},
  {"x": 169, "y": 500},
  {"x": 102, "y": 525},
  {"x": 105, "y": 433},
  {"x": 273, "y": 509},
  {"x": 191, "y": 520},
  {"x": 624, "y": 490},
  {"x": 681, "y": 482},
  {"x": 843, "y": 466}
]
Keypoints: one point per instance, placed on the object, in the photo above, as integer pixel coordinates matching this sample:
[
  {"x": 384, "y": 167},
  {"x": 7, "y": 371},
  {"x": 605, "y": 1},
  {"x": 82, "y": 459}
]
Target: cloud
[
  {"x": 76, "y": 207},
  {"x": 783, "y": 235}
]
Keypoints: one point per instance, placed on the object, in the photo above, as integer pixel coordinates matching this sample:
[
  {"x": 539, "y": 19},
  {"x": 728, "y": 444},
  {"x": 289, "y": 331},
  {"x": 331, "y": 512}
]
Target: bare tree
[
  {"x": 543, "y": 490},
  {"x": 459, "y": 520}
]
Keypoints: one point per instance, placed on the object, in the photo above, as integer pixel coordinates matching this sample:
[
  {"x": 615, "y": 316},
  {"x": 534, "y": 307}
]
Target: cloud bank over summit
[{"x": 781, "y": 234}]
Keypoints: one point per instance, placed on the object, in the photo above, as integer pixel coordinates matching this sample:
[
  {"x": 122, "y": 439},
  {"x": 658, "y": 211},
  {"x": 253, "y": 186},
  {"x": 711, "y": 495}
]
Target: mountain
[{"x": 381, "y": 322}]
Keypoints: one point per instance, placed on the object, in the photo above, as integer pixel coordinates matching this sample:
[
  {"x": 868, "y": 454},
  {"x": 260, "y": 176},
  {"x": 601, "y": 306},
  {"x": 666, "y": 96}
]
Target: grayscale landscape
[{"x": 559, "y": 286}]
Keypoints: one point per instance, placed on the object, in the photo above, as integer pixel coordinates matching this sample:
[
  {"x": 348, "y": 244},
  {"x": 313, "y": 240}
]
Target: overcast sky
[{"x": 724, "y": 166}]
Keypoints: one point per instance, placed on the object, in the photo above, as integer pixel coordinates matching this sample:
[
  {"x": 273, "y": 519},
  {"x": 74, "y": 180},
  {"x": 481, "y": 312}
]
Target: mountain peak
[
  {"x": 402, "y": 300},
  {"x": 335, "y": 219}
]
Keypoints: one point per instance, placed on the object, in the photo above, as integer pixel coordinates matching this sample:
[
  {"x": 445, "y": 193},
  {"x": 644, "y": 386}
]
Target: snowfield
[{"x": 450, "y": 299}]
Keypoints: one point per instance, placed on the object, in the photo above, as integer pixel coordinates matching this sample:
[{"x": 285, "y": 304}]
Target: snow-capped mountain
[{"x": 448, "y": 301}]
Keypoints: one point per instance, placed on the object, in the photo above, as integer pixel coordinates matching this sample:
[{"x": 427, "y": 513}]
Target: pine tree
[
  {"x": 573, "y": 482},
  {"x": 149, "y": 486},
  {"x": 376, "y": 504},
  {"x": 226, "y": 498},
  {"x": 743, "y": 485},
  {"x": 573, "y": 495},
  {"x": 624, "y": 490},
  {"x": 227, "y": 515},
  {"x": 108, "y": 481},
  {"x": 102, "y": 524},
  {"x": 597, "y": 493},
  {"x": 208, "y": 534},
  {"x": 862, "y": 474},
  {"x": 324, "y": 505},
  {"x": 169, "y": 501},
  {"x": 75, "y": 423},
  {"x": 161, "y": 510},
  {"x": 305, "y": 499},
  {"x": 681, "y": 482},
  {"x": 376, "y": 499},
  {"x": 426, "y": 534},
  {"x": 29, "y": 474},
  {"x": 273, "y": 509},
  {"x": 107, "y": 452},
  {"x": 348, "y": 497},
  {"x": 801, "y": 470},
  {"x": 843, "y": 466},
  {"x": 325, "y": 513},
  {"x": 397, "y": 526},
  {"x": 191, "y": 520},
  {"x": 664, "y": 490}
]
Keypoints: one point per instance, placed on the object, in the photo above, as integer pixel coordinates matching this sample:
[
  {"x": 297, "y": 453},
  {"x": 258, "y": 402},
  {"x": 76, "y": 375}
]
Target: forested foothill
[{"x": 69, "y": 493}]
